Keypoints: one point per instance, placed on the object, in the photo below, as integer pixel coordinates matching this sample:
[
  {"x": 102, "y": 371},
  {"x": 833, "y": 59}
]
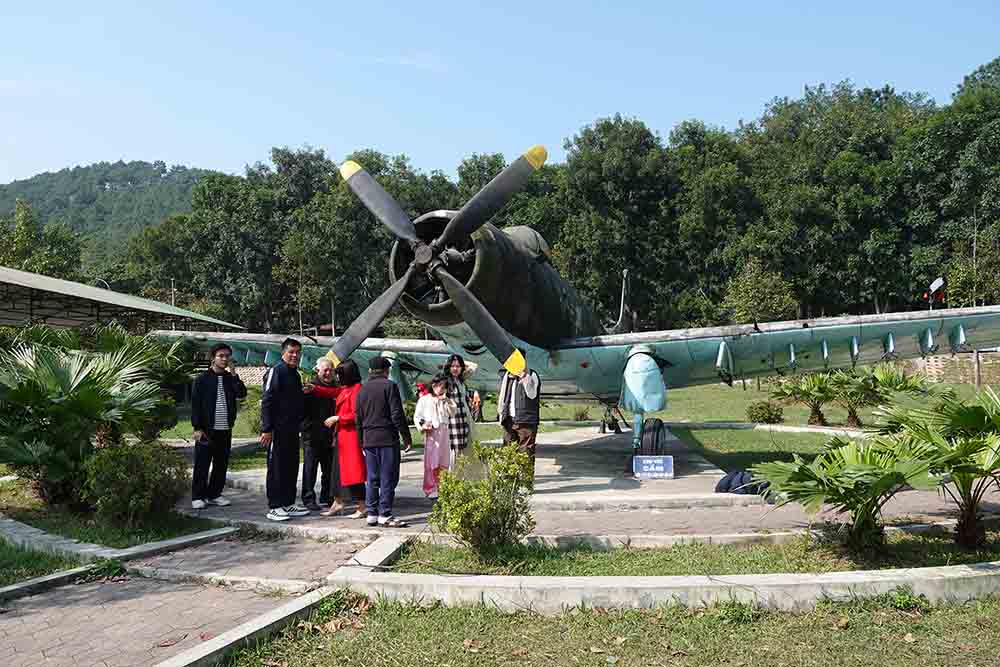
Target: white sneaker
[
  {"x": 278, "y": 514},
  {"x": 372, "y": 520},
  {"x": 296, "y": 510},
  {"x": 197, "y": 504},
  {"x": 218, "y": 502}
]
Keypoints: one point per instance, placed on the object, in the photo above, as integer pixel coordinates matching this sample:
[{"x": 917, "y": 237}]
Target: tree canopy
[{"x": 843, "y": 200}]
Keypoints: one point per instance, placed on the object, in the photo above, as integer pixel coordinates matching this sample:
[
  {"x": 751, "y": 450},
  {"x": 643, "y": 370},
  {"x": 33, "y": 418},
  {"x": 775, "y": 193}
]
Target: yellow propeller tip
[
  {"x": 515, "y": 363},
  {"x": 334, "y": 359},
  {"x": 536, "y": 156},
  {"x": 349, "y": 168}
]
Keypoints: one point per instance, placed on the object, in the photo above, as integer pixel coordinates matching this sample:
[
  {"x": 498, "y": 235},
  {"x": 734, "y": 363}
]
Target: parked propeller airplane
[{"x": 489, "y": 293}]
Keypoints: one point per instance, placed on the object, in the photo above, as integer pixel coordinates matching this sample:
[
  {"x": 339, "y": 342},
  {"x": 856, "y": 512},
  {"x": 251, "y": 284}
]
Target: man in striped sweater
[{"x": 213, "y": 413}]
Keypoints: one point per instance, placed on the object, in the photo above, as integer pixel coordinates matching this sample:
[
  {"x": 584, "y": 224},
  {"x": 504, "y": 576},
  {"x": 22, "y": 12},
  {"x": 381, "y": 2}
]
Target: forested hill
[{"x": 106, "y": 202}]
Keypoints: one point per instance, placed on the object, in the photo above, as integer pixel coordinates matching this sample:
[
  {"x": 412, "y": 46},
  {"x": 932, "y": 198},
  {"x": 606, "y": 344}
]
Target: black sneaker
[{"x": 313, "y": 507}]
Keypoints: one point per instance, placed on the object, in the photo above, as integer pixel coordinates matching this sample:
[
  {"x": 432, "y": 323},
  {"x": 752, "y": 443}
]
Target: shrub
[
  {"x": 853, "y": 391},
  {"x": 765, "y": 412},
  {"x": 483, "y": 503},
  {"x": 581, "y": 414},
  {"x": 814, "y": 391},
  {"x": 251, "y": 413},
  {"x": 857, "y": 478},
  {"x": 128, "y": 483},
  {"x": 55, "y": 404},
  {"x": 962, "y": 440}
]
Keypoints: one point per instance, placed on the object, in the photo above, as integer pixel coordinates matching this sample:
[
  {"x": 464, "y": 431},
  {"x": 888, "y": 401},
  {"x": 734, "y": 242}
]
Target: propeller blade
[
  {"x": 485, "y": 203},
  {"x": 481, "y": 321},
  {"x": 377, "y": 200},
  {"x": 373, "y": 315}
]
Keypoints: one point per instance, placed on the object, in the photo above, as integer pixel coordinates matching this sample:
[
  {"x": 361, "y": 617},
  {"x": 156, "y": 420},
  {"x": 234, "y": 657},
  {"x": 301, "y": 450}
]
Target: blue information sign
[{"x": 653, "y": 467}]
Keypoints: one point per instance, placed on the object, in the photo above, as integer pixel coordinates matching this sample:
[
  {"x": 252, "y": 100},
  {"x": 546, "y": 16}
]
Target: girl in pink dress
[{"x": 431, "y": 418}]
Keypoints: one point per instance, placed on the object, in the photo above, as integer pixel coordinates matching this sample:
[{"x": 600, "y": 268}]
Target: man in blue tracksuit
[{"x": 281, "y": 409}]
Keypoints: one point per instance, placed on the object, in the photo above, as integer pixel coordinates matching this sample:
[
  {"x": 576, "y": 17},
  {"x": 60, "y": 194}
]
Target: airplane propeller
[{"x": 430, "y": 258}]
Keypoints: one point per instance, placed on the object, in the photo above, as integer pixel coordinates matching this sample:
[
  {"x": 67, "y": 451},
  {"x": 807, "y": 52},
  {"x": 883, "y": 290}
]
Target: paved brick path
[
  {"x": 304, "y": 560},
  {"x": 120, "y": 623}
]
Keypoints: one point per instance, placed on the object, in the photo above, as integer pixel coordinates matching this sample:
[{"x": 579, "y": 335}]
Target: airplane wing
[{"x": 699, "y": 356}]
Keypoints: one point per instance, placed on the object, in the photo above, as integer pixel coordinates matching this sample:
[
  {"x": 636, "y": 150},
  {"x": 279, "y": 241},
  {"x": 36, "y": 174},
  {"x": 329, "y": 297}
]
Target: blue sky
[{"x": 216, "y": 84}]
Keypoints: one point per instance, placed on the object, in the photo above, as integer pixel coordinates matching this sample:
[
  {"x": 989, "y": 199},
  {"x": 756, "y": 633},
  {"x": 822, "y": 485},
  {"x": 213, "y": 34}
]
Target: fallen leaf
[
  {"x": 520, "y": 652},
  {"x": 909, "y": 638},
  {"x": 205, "y": 636},
  {"x": 620, "y": 640},
  {"x": 595, "y": 649},
  {"x": 678, "y": 653},
  {"x": 171, "y": 641},
  {"x": 472, "y": 645},
  {"x": 612, "y": 659},
  {"x": 276, "y": 663},
  {"x": 843, "y": 623}
]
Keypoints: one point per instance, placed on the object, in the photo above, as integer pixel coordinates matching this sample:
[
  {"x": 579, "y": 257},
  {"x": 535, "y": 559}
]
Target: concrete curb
[
  {"x": 43, "y": 583},
  {"x": 258, "y": 584},
  {"x": 30, "y": 537},
  {"x": 320, "y": 534},
  {"x": 215, "y": 650},
  {"x": 552, "y": 595},
  {"x": 776, "y": 428}
]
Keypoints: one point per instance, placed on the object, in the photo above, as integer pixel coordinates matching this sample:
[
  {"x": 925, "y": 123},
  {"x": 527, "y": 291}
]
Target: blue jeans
[{"x": 382, "y": 465}]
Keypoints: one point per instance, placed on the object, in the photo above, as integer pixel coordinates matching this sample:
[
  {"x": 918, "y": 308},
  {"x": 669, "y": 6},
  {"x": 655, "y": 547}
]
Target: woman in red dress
[{"x": 350, "y": 458}]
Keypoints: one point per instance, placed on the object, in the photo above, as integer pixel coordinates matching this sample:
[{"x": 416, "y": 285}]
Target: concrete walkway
[
  {"x": 142, "y": 621},
  {"x": 111, "y": 624},
  {"x": 577, "y": 469}
]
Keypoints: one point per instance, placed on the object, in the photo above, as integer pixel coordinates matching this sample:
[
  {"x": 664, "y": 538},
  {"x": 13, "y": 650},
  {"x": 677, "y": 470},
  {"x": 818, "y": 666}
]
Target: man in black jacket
[
  {"x": 281, "y": 410},
  {"x": 317, "y": 441},
  {"x": 380, "y": 422},
  {"x": 213, "y": 413}
]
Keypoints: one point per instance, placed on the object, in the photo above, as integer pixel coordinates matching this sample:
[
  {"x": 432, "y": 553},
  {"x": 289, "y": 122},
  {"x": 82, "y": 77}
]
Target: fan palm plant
[
  {"x": 963, "y": 440},
  {"x": 813, "y": 390},
  {"x": 857, "y": 478},
  {"x": 54, "y": 403},
  {"x": 853, "y": 390}
]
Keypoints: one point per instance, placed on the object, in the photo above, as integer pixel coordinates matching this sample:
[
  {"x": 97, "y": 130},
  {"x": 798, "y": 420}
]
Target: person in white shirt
[
  {"x": 431, "y": 418},
  {"x": 518, "y": 409}
]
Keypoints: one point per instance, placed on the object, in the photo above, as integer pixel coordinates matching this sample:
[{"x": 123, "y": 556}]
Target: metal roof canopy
[{"x": 31, "y": 298}]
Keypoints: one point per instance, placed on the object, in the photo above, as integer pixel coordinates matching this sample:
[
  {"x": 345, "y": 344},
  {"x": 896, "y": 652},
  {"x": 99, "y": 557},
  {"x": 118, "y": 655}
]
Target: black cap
[{"x": 379, "y": 364}]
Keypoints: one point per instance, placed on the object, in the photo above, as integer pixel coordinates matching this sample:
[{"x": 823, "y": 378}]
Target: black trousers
[
  {"x": 282, "y": 468},
  {"x": 214, "y": 456},
  {"x": 321, "y": 458}
]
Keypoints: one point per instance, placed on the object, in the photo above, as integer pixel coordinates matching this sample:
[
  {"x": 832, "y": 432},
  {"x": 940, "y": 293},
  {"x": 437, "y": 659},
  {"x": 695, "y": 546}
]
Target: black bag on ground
[{"x": 740, "y": 482}]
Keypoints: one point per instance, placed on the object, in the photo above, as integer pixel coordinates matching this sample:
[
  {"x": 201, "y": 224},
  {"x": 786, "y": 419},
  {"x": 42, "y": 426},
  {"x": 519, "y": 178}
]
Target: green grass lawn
[
  {"x": 18, "y": 501},
  {"x": 803, "y": 555},
  {"x": 20, "y": 564},
  {"x": 895, "y": 629},
  {"x": 738, "y": 449}
]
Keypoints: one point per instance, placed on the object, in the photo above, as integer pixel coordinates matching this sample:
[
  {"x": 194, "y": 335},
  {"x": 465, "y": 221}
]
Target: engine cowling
[{"x": 509, "y": 272}]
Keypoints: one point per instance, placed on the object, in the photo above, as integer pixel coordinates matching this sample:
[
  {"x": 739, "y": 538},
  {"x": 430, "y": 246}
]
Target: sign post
[{"x": 653, "y": 467}]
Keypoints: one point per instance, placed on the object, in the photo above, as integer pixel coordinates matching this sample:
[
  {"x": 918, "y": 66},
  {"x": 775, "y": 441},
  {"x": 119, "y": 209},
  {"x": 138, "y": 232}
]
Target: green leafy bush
[
  {"x": 57, "y": 405},
  {"x": 962, "y": 441},
  {"x": 128, "y": 483},
  {"x": 581, "y": 414},
  {"x": 856, "y": 478},
  {"x": 813, "y": 391},
  {"x": 765, "y": 412},
  {"x": 483, "y": 503}
]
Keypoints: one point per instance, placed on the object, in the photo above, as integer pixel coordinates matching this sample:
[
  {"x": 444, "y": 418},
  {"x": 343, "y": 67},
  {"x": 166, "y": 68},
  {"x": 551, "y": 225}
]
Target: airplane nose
[{"x": 643, "y": 389}]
